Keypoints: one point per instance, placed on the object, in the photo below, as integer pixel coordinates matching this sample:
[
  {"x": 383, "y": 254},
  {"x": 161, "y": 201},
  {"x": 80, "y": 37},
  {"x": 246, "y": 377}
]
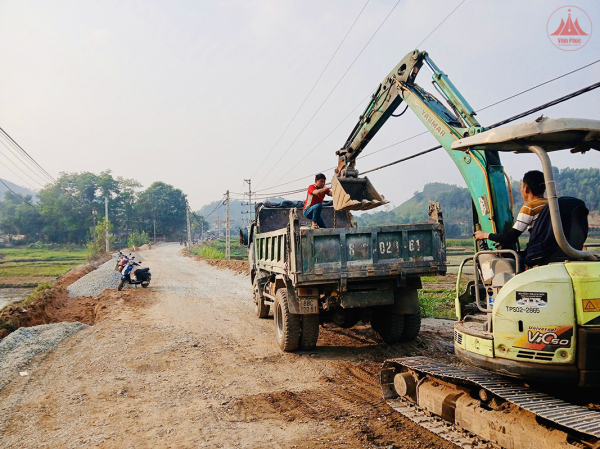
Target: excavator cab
[{"x": 540, "y": 323}]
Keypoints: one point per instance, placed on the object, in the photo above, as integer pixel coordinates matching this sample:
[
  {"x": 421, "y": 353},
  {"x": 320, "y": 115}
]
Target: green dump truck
[{"x": 343, "y": 274}]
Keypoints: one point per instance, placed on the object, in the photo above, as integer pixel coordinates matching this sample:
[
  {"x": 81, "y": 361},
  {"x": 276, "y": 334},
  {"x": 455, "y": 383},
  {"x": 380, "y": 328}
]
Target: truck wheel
[
  {"x": 120, "y": 285},
  {"x": 309, "y": 333},
  {"x": 387, "y": 326},
  {"x": 412, "y": 326},
  {"x": 287, "y": 325},
  {"x": 261, "y": 309}
]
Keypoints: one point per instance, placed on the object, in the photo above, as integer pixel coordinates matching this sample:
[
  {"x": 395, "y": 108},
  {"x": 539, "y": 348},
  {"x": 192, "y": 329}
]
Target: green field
[{"x": 38, "y": 261}]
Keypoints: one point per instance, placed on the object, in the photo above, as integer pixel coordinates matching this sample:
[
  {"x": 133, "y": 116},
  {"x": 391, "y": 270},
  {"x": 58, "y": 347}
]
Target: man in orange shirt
[{"x": 314, "y": 201}]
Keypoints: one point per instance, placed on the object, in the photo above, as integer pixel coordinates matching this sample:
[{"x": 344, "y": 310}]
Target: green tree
[
  {"x": 164, "y": 204},
  {"x": 97, "y": 243}
]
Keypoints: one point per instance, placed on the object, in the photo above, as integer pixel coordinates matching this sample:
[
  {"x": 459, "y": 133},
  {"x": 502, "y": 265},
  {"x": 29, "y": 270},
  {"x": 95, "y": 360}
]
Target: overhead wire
[
  {"x": 452, "y": 12},
  {"x": 41, "y": 169},
  {"x": 331, "y": 92},
  {"x": 312, "y": 89},
  {"x": 24, "y": 163},
  {"x": 17, "y": 195},
  {"x": 426, "y": 132},
  {"x": 440, "y": 24}
]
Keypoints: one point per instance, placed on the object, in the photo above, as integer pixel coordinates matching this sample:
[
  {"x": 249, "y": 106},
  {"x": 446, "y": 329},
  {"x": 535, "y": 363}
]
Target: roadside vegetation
[{"x": 215, "y": 249}]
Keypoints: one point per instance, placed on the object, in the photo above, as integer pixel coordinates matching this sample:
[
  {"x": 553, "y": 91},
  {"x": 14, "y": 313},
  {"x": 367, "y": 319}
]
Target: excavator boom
[{"x": 482, "y": 171}]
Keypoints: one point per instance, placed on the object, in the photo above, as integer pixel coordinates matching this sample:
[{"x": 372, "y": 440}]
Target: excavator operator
[
  {"x": 532, "y": 191},
  {"x": 314, "y": 201}
]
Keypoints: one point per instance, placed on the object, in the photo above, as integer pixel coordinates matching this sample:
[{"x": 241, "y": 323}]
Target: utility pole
[
  {"x": 202, "y": 231},
  {"x": 249, "y": 181},
  {"x": 187, "y": 217},
  {"x": 154, "y": 232},
  {"x": 227, "y": 241},
  {"x": 94, "y": 228},
  {"x": 106, "y": 223}
]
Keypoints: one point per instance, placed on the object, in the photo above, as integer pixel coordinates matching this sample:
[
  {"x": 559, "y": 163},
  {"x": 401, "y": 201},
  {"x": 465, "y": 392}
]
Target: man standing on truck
[{"x": 314, "y": 201}]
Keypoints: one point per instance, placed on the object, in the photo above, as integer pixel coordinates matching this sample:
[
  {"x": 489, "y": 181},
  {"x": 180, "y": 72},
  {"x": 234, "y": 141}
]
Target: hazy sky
[{"x": 195, "y": 94}]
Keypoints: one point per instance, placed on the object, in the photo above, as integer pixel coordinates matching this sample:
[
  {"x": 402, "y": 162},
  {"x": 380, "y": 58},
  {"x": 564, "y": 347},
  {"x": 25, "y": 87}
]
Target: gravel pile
[
  {"x": 95, "y": 282},
  {"x": 17, "y": 350}
]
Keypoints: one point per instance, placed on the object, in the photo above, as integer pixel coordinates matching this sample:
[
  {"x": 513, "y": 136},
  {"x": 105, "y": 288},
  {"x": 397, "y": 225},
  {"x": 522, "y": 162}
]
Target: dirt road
[{"x": 186, "y": 363}]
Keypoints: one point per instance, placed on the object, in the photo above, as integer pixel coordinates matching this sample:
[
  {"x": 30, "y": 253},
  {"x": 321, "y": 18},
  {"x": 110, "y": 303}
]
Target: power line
[
  {"x": 426, "y": 132},
  {"x": 26, "y": 154},
  {"x": 324, "y": 138},
  {"x": 17, "y": 195},
  {"x": 24, "y": 163},
  {"x": 535, "y": 87},
  {"x": 331, "y": 92},
  {"x": 313, "y": 88},
  {"x": 447, "y": 17},
  {"x": 503, "y": 122}
]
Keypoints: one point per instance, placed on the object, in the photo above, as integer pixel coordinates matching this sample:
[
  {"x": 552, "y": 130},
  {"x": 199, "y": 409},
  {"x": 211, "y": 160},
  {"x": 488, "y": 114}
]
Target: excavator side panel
[
  {"x": 533, "y": 317},
  {"x": 586, "y": 285}
]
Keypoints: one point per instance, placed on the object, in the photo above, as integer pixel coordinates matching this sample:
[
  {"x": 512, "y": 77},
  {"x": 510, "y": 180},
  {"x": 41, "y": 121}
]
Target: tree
[{"x": 165, "y": 205}]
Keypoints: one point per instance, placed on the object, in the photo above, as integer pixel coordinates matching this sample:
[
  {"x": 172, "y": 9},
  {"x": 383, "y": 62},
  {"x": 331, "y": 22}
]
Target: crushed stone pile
[
  {"x": 18, "y": 348},
  {"x": 95, "y": 282}
]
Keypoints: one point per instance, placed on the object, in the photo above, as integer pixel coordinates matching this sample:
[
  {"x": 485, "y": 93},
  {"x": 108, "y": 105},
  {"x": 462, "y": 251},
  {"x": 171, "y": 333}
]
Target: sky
[{"x": 197, "y": 93}]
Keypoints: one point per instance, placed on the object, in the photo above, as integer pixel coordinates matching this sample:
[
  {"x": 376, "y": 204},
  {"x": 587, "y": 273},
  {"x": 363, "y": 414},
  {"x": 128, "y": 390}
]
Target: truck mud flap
[
  {"x": 355, "y": 194},
  {"x": 367, "y": 299}
]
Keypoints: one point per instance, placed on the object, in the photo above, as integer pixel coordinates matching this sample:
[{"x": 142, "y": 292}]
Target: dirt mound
[
  {"x": 52, "y": 305},
  {"x": 237, "y": 266}
]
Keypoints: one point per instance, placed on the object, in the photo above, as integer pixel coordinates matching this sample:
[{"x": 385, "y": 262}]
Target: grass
[
  {"x": 438, "y": 303},
  {"x": 215, "y": 249},
  {"x": 39, "y": 262}
]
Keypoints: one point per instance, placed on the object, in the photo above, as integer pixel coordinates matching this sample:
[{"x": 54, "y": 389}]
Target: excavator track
[{"x": 563, "y": 420}]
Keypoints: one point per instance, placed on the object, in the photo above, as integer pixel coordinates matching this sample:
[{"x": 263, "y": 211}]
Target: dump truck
[{"x": 342, "y": 274}]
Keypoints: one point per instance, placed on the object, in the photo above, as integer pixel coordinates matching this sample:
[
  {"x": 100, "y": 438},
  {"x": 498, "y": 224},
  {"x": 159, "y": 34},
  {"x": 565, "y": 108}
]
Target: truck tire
[
  {"x": 287, "y": 325},
  {"x": 120, "y": 285},
  {"x": 387, "y": 326},
  {"x": 261, "y": 309},
  {"x": 412, "y": 326},
  {"x": 309, "y": 332}
]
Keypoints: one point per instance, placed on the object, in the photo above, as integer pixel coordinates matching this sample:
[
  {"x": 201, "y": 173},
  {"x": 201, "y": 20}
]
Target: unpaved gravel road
[{"x": 185, "y": 363}]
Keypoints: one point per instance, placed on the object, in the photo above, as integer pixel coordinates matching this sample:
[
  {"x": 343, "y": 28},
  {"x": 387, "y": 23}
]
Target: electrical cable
[
  {"x": 26, "y": 154},
  {"x": 503, "y": 122},
  {"x": 324, "y": 138},
  {"x": 426, "y": 132},
  {"x": 427, "y": 37},
  {"x": 10, "y": 170},
  {"x": 331, "y": 92},
  {"x": 495, "y": 125},
  {"x": 535, "y": 87},
  {"x": 24, "y": 163},
  {"x": 311, "y": 90},
  {"x": 17, "y": 195}
]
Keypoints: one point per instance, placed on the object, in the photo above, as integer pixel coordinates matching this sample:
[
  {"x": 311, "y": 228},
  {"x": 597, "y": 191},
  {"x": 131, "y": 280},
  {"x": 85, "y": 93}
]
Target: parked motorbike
[
  {"x": 122, "y": 260},
  {"x": 141, "y": 276}
]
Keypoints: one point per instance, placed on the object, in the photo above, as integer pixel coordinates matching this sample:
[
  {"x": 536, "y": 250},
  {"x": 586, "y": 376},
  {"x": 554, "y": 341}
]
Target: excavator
[{"x": 527, "y": 338}]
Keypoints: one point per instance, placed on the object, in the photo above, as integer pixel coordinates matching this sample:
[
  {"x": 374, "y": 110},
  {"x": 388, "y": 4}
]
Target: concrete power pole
[
  {"x": 249, "y": 181},
  {"x": 227, "y": 240},
  {"x": 187, "y": 217},
  {"x": 154, "y": 221},
  {"x": 106, "y": 223}
]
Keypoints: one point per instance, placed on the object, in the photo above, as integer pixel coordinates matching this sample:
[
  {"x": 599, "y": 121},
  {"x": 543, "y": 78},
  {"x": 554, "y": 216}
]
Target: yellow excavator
[{"x": 529, "y": 335}]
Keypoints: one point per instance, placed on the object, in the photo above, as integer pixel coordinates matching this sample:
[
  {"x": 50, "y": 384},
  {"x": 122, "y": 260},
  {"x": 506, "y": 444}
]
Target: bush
[{"x": 138, "y": 239}]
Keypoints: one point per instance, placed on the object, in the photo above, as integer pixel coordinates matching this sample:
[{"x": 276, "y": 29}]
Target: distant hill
[
  {"x": 581, "y": 183},
  {"x": 238, "y": 211},
  {"x": 18, "y": 189}
]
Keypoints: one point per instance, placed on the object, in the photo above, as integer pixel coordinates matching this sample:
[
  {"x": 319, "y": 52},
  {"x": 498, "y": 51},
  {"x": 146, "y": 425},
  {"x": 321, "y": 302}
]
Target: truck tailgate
[{"x": 372, "y": 251}]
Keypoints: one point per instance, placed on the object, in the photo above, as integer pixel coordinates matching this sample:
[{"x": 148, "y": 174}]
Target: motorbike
[
  {"x": 122, "y": 260},
  {"x": 141, "y": 277}
]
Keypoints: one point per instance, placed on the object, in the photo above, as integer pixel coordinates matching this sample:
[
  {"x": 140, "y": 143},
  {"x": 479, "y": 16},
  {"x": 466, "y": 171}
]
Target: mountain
[
  {"x": 18, "y": 189},
  {"x": 238, "y": 212},
  {"x": 583, "y": 183}
]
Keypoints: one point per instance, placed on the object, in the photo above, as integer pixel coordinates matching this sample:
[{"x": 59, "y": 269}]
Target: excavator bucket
[{"x": 355, "y": 194}]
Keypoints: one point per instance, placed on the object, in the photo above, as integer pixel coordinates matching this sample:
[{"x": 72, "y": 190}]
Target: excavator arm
[{"x": 482, "y": 171}]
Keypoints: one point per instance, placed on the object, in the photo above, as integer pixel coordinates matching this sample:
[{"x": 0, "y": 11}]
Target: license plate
[{"x": 309, "y": 306}]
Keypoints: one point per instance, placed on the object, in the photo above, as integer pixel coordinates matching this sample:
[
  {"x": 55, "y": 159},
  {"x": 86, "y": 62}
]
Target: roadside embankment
[
  {"x": 50, "y": 303},
  {"x": 237, "y": 266}
]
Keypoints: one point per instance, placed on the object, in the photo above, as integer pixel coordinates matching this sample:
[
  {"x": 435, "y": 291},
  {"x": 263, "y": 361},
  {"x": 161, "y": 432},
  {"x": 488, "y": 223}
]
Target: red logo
[{"x": 569, "y": 28}]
